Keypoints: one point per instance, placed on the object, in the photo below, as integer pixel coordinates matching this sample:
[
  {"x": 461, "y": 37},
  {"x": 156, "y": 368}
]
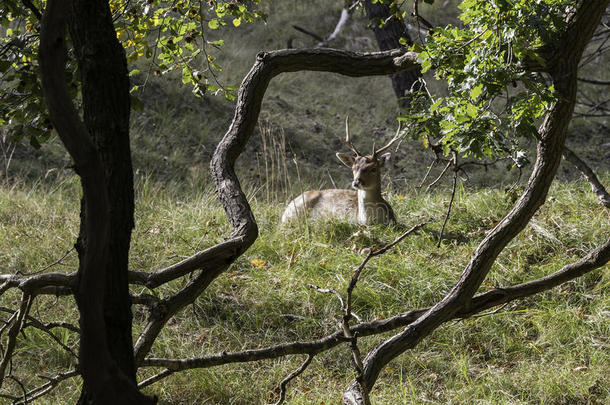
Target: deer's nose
[{"x": 356, "y": 183}]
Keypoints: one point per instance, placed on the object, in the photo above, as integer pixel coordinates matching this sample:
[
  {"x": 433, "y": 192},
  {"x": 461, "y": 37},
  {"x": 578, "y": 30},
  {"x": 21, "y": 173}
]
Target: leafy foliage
[
  {"x": 170, "y": 35},
  {"x": 173, "y": 36},
  {"x": 492, "y": 100},
  {"x": 22, "y": 109}
]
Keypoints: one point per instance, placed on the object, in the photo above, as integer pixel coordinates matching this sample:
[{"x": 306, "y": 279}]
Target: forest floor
[{"x": 552, "y": 348}]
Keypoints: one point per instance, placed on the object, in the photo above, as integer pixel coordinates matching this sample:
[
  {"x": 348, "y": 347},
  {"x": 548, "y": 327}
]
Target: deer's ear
[
  {"x": 384, "y": 159},
  {"x": 346, "y": 158}
]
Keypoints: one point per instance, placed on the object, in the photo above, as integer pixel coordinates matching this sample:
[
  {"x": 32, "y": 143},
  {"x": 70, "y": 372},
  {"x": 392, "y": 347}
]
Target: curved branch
[
  {"x": 562, "y": 69},
  {"x": 596, "y": 186},
  {"x": 35, "y": 284},
  {"x": 291, "y": 377},
  {"x": 213, "y": 261},
  {"x": 45, "y": 388},
  {"x": 597, "y": 82},
  {"x": 17, "y": 319},
  {"x": 489, "y": 299}
]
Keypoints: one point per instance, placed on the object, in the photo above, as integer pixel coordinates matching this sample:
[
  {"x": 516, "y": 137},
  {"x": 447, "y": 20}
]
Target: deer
[{"x": 364, "y": 204}]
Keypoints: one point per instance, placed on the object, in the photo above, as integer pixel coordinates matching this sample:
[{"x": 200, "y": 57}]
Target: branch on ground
[{"x": 481, "y": 302}]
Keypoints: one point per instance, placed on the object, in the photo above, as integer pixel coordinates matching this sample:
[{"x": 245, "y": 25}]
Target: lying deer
[{"x": 364, "y": 205}]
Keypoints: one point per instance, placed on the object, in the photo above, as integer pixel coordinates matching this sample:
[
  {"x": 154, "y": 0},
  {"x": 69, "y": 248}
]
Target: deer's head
[{"x": 365, "y": 168}]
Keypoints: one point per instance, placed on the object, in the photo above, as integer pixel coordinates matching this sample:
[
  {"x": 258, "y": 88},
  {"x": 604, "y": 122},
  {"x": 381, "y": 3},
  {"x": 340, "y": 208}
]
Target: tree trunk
[
  {"x": 596, "y": 186},
  {"x": 106, "y": 108},
  {"x": 388, "y": 37},
  {"x": 101, "y": 373},
  {"x": 562, "y": 66}
]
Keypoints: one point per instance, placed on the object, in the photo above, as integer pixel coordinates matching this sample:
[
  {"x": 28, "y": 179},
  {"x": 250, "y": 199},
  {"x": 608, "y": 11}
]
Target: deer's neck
[{"x": 370, "y": 206}]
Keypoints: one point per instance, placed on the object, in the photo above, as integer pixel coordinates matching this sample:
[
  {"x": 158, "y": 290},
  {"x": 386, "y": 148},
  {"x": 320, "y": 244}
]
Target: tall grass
[
  {"x": 276, "y": 180},
  {"x": 551, "y": 348},
  {"x": 548, "y": 349}
]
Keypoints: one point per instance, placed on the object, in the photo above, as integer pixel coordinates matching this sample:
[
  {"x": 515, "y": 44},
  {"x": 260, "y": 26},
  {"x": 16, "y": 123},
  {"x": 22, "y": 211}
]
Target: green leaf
[
  {"x": 213, "y": 24},
  {"x": 471, "y": 110},
  {"x": 426, "y": 65},
  {"x": 417, "y": 48},
  {"x": 436, "y": 104},
  {"x": 476, "y": 91}
]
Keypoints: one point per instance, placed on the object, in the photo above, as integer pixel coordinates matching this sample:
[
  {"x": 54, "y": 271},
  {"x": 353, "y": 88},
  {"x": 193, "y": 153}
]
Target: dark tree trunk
[
  {"x": 562, "y": 66},
  {"x": 102, "y": 371},
  {"x": 106, "y": 108},
  {"x": 388, "y": 37},
  {"x": 596, "y": 186}
]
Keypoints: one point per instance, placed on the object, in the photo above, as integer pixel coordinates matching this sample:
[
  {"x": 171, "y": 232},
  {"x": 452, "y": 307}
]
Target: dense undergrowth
[{"x": 551, "y": 348}]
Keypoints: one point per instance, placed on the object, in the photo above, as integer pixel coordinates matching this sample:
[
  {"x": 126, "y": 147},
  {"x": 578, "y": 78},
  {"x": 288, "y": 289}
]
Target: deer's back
[{"x": 340, "y": 203}]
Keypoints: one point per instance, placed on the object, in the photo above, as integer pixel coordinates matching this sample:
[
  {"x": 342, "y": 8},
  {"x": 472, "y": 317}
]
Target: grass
[
  {"x": 551, "y": 348},
  {"x": 174, "y": 135},
  {"x": 548, "y": 349}
]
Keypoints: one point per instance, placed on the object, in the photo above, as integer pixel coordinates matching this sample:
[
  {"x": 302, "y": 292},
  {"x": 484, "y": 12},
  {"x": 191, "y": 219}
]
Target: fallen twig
[{"x": 290, "y": 377}]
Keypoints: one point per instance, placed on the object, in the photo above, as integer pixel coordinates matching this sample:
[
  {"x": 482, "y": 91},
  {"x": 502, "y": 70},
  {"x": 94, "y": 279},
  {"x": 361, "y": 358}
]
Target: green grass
[
  {"x": 175, "y": 134},
  {"x": 547, "y": 349}
]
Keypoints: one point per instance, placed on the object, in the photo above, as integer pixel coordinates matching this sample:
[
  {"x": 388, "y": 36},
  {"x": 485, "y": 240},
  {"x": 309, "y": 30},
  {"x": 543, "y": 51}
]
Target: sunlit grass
[{"x": 551, "y": 348}]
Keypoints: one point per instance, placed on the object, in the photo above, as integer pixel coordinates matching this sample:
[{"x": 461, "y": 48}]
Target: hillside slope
[{"x": 302, "y": 118}]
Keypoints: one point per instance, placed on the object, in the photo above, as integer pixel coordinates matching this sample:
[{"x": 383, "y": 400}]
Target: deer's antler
[
  {"x": 347, "y": 140},
  {"x": 384, "y": 148}
]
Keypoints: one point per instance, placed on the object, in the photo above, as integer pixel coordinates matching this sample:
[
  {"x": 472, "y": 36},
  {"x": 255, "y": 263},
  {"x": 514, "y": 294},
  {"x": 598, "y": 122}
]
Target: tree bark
[
  {"x": 106, "y": 108},
  {"x": 388, "y": 37},
  {"x": 103, "y": 375},
  {"x": 596, "y": 186},
  {"x": 562, "y": 66}
]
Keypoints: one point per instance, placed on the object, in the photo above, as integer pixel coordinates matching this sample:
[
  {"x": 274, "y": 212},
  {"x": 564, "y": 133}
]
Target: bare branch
[
  {"x": 33, "y": 322},
  {"x": 453, "y": 188},
  {"x": 16, "y": 326},
  {"x": 597, "y": 82},
  {"x": 596, "y": 186},
  {"x": 343, "y": 19},
  {"x": 64, "y": 325},
  {"x": 47, "y": 387},
  {"x": 440, "y": 176},
  {"x": 421, "y": 19},
  {"x": 37, "y": 284},
  {"x": 307, "y": 32},
  {"x": 155, "y": 378},
  {"x": 55, "y": 263},
  {"x": 290, "y": 377},
  {"x": 489, "y": 299},
  {"x": 328, "y": 291},
  {"x": 323, "y": 42},
  {"x": 436, "y": 159}
]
